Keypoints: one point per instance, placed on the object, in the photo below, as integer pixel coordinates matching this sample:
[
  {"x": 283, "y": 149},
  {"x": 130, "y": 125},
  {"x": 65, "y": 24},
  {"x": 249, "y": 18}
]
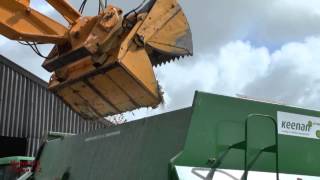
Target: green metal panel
[
  {"x": 143, "y": 149},
  {"x": 137, "y": 150},
  {"x": 218, "y": 122}
]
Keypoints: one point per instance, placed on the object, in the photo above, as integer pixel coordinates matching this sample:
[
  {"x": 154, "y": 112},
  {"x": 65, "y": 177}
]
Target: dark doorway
[{"x": 11, "y": 146}]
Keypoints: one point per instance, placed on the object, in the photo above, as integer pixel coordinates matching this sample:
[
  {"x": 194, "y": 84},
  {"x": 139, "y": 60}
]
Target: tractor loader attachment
[{"x": 103, "y": 65}]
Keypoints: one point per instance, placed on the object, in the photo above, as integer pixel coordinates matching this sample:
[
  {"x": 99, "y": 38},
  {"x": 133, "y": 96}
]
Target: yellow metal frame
[
  {"x": 66, "y": 10},
  {"x": 101, "y": 66},
  {"x": 20, "y": 22}
]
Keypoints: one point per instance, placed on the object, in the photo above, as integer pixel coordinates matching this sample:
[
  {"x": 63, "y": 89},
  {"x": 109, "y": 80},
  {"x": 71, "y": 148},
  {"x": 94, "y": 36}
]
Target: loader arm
[
  {"x": 103, "y": 65},
  {"x": 20, "y": 22},
  {"x": 66, "y": 10}
]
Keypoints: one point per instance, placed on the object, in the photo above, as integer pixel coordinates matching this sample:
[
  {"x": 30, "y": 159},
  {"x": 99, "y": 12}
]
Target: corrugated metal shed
[{"x": 29, "y": 110}]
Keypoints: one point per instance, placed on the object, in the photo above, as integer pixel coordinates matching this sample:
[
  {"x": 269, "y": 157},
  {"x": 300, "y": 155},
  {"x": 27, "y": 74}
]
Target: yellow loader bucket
[
  {"x": 117, "y": 87},
  {"x": 166, "y": 32},
  {"x": 126, "y": 80}
]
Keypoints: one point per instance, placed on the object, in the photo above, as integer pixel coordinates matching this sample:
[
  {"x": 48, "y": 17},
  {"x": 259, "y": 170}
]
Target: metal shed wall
[{"x": 29, "y": 110}]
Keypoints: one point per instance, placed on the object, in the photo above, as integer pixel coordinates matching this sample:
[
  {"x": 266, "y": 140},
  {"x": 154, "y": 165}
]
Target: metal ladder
[
  {"x": 243, "y": 145},
  {"x": 269, "y": 149}
]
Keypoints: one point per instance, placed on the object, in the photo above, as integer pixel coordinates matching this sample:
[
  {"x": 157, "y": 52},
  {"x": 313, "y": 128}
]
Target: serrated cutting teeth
[{"x": 168, "y": 59}]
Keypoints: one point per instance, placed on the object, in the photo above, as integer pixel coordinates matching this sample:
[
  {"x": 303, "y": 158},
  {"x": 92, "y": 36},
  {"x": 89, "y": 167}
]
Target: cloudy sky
[{"x": 255, "y": 48}]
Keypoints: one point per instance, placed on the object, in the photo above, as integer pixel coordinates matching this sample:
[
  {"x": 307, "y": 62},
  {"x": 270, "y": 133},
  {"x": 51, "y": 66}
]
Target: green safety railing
[
  {"x": 214, "y": 163},
  {"x": 270, "y": 149}
]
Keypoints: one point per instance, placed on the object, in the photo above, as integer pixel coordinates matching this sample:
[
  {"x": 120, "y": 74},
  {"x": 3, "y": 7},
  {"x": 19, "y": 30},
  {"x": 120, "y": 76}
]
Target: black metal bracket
[{"x": 217, "y": 162}]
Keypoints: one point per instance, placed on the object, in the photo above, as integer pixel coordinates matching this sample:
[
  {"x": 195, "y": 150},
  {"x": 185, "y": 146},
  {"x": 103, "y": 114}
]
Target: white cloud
[
  {"x": 234, "y": 66},
  {"x": 238, "y": 63},
  {"x": 312, "y": 6},
  {"x": 289, "y": 75},
  {"x": 292, "y": 76},
  {"x": 286, "y": 21}
]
